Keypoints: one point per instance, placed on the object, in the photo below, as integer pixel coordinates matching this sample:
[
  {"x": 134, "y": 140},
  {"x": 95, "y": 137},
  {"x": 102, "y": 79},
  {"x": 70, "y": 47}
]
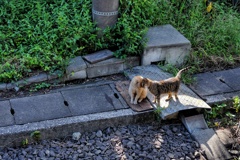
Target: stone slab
[
  {"x": 193, "y": 123},
  {"x": 55, "y": 74},
  {"x": 208, "y": 84},
  {"x": 76, "y": 64},
  {"x": 3, "y": 86},
  {"x": 210, "y": 143},
  {"x": 76, "y": 75},
  {"x": 6, "y": 118},
  {"x": 130, "y": 62},
  {"x": 230, "y": 77},
  {"x": 37, "y": 78},
  {"x": 214, "y": 99},
  {"x": 98, "y": 56},
  {"x": 225, "y": 136},
  {"x": 39, "y": 108},
  {"x": 220, "y": 98},
  {"x": 12, "y": 136},
  {"x": 118, "y": 95},
  {"x": 165, "y": 36},
  {"x": 187, "y": 98},
  {"x": 89, "y": 100},
  {"x": 103, "y": 68}
]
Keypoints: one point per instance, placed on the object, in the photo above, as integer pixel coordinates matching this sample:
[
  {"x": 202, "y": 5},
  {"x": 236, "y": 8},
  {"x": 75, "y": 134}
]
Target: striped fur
[{"x": 168, "y": 86}]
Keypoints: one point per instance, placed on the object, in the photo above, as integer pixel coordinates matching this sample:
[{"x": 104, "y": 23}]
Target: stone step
[
  {"x": 165, "y": 43},
  {"x": 217, "y": 87},
  {"x": 64, "y": 111},
  {"x": 98, "y": 56}
]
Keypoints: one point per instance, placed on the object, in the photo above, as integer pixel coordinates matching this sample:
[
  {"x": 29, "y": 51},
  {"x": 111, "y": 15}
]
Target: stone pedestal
[{"x": 165, "y": 43}]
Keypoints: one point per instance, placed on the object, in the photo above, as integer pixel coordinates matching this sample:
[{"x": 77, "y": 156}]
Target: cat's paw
[{"x": 131, "y": 101}]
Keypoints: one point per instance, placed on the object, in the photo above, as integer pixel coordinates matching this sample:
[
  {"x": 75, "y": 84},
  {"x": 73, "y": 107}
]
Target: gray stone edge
[
  {"x": 11, "y": 136},
  {"x": 187, "y": 44},
  {"x": 43, "y": 77}
]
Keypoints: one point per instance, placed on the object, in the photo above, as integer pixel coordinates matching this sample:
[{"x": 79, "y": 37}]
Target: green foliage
[
  {"x": 36, "y": 135},
  {"x": 223, "y": 115},
  {"x": 236, "y": 104},
  {"x": 45, "y": 34},
  {"x": 157, "y": 112},
  {"x": 39, "y": 86},
  {"x": 25, "y": 142},
  {"x": 216, "y": 111}
]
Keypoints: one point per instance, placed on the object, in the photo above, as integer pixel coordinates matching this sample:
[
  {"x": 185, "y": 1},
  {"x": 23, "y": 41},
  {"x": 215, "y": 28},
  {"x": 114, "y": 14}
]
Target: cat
[
  {"x": 170, "y": 85},
  {"x": 137, "y": 90}
]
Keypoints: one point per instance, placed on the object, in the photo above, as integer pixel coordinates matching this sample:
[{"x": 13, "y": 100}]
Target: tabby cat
[{"x": 170, "y": 85}]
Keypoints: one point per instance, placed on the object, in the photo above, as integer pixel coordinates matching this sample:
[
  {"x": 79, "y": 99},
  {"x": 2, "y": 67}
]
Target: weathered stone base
[
  {"x": 79, "y": 69},
  {"x": 165, "y": 43}
]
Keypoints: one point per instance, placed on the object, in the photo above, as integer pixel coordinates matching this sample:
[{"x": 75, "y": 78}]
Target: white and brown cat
[{"x": 137, "y": 89}]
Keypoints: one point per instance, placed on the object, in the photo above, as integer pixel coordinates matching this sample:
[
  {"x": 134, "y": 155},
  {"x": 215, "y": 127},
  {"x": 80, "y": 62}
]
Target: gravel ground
[{"x": 139, "y": 142}]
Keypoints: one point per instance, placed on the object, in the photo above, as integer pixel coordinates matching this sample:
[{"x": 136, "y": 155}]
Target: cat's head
[
  {"x": 138, "y": 81},
  {"x": 145, "y": 82}
]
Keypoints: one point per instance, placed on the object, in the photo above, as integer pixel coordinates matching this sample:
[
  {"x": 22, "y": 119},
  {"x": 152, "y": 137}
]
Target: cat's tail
[{"x": 180, "y": 72}]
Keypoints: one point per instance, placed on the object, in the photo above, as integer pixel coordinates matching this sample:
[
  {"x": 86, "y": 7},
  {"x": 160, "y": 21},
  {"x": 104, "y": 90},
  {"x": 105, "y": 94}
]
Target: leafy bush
[{"x": 43, "y": 35}]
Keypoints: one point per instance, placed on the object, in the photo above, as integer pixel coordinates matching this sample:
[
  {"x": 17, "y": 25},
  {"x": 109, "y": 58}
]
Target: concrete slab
[
  {"x": 225, "y": 136},
  {"x": 165, "y": 43},
  {"x": 213, "y": 99},
  {"x": 98, "y": 56},
  {"x": 12, "y": 136},
  {"x": 117, "y": 95},
  {"x": 6, "y": 118},
  {"x": 130, "y": 62},
  {"x": 90, "y": 100},
  {"x": 76, "y": 69},
  {"x": 39, "y": 108},
  {"x": 37, "y": 78},
  {"x": 220, "y": 98},
  {"x": 210, "y": 143},
  {"x": 208, "y": 84},
  {"x": 187, "y": 98},
  {"x": 103, "y": 68},
  {"x": 193, "y": 123},
  {"x": 76, "y": 75},
  {"x": 165, "y": 36},
  {"x": 3, "y": 86},
  {"x": 230, "y": 78},
  {"x": 76, "y": 64}
]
